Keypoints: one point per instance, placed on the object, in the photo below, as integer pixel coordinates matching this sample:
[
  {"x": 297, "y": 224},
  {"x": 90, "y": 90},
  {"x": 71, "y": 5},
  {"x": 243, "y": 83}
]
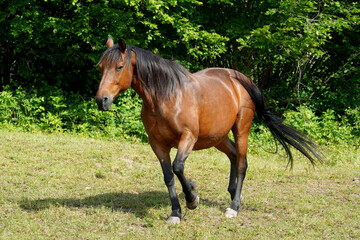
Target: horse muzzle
[{"x": 104, "y": 102}]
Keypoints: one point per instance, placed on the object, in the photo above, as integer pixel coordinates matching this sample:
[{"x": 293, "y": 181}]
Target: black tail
[{"x": 284, "y": 133}]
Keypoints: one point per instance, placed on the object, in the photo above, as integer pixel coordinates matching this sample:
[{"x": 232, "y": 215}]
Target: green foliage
[
  {"x": 300, "y": 53},
  {"x": 302, "y": 49},
  {"x": 295, "y": 50},
  {"x": 326, "y": 128},
  {"x": 52, "y": 110},
  {"x": 353, "y": 114}
]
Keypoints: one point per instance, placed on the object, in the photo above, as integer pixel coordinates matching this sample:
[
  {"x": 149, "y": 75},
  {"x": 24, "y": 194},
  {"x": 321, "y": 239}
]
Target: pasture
[{"x": 59, "y": 186}]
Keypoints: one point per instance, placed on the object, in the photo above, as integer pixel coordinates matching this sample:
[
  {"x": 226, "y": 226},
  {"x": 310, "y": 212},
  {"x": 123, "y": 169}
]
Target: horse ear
[
  {"x": 109, "y": 42},
  {"x": 122, "y": 45}
]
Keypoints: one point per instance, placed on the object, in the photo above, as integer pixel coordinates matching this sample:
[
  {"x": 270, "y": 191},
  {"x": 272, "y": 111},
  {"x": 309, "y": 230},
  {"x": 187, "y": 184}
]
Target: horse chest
[{"x": 162, "y": 129}]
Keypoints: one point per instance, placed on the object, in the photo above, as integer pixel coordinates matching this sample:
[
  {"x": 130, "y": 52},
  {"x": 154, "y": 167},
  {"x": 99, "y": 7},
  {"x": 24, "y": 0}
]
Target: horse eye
[{"x": 119, "y": 68}]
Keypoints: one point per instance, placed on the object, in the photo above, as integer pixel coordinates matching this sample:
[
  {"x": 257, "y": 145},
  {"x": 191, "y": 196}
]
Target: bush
[
  {"x": 53, "y": 110},
  {"x": 327, "y": 128}
]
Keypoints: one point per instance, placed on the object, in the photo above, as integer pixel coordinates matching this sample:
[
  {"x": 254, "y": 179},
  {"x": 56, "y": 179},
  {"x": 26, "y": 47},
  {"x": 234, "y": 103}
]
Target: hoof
[
  {"x": 173, "y": 220},
  {"x": 230, "y": 213},
  {"x": 194, "y": 204}
]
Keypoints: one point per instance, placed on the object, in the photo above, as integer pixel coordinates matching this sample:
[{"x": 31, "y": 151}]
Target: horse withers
[{"x": 193, "y": 111}]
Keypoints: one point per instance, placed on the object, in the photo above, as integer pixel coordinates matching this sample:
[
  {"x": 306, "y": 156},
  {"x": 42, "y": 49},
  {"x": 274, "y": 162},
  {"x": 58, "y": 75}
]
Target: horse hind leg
[
  {"x": 228, "y": 147},
  {"x": 241, "y": 131}
]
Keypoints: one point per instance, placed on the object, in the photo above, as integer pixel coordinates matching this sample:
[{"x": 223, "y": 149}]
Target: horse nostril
[{"x": 103, "y": 102}]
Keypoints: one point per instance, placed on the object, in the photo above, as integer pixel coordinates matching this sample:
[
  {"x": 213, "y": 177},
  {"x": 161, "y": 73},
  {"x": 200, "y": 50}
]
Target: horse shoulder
[{"x": 170, "y": 119}]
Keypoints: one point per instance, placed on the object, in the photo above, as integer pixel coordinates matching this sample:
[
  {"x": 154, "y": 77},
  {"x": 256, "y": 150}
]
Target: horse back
[
  {"x": 224, "y": 87},
  {"x": 221, "y": 100}
]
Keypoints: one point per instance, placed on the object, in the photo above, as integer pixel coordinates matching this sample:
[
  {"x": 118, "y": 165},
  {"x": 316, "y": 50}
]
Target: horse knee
[
  {"x": 169, "y": 180},
  {"x": 178, "y": 167}
]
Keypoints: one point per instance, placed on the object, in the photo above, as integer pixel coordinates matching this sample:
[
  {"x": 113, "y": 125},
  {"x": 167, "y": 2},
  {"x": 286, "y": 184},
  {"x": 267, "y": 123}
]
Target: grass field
[{"x": 67, "y": 187}]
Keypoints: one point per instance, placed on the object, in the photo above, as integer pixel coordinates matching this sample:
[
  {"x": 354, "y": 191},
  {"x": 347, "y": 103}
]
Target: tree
[{"x": 298, "y": 52}]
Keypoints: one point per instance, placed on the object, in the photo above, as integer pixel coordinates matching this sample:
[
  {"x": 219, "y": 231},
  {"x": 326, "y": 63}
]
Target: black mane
[{"x": 160, "y": 77}]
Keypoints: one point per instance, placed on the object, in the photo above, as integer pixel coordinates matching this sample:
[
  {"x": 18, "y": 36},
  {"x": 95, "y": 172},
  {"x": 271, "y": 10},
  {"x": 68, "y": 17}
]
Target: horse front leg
[
  {"x": 163, "y": 154},
  {"x": 169, "y": 179},
  {"x": 186, "y": 144}
]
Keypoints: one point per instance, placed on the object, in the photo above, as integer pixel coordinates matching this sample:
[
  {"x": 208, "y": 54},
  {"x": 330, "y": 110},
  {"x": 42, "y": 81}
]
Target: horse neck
[
  {"x": 144, "y": 95},
  {"x": 137, "y": 85}
]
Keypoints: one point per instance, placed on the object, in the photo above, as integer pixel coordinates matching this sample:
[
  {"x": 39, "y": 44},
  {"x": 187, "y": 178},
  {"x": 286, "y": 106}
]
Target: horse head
[{"x": 116, "y": 73}]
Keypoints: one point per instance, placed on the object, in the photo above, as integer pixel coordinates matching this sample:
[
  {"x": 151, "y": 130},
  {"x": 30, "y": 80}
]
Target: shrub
[
  {"x": 326, "y": 128},
  {"x": 53, "y": 110}
]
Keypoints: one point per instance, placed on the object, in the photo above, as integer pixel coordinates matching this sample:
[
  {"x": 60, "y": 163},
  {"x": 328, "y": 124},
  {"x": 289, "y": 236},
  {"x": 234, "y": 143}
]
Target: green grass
[{"x": 59, "y": 186}]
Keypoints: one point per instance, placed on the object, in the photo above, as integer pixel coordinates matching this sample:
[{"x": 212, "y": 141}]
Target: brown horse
[{"x": 191, "y": 112}]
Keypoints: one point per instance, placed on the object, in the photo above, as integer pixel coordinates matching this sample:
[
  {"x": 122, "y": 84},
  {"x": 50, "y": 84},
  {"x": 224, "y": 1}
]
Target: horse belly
[
  {"x": 210, "y": 136},
  {"x": 215, "y": 122}
]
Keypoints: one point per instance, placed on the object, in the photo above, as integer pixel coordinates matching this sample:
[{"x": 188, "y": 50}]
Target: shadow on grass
[{"x": 138, "y": 204}]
